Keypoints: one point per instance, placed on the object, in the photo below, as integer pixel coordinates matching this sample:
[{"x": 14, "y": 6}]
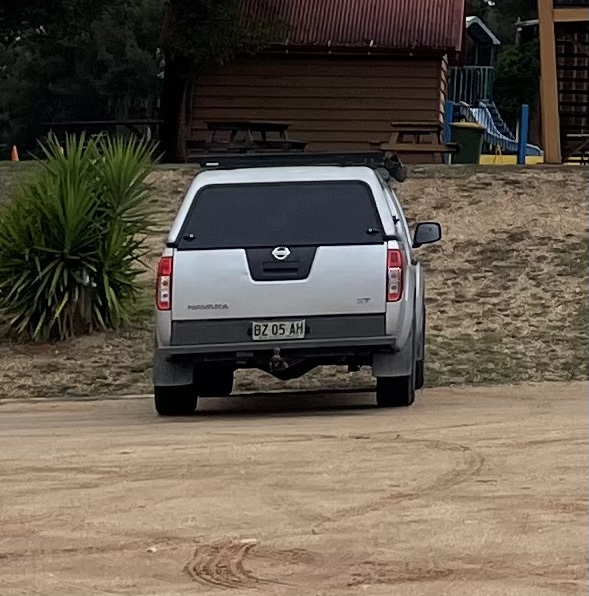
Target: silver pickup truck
[{"x": 288, "y": 265}]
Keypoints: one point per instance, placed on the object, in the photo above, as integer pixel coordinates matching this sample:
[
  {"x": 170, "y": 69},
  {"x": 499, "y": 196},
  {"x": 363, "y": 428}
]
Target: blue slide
[
  {"x": 483, "y": 116},
  {"x": 497, "y": 118}
]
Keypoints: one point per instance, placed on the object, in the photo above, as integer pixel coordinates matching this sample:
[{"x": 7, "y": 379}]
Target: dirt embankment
[{"x": 507, "y": 290}]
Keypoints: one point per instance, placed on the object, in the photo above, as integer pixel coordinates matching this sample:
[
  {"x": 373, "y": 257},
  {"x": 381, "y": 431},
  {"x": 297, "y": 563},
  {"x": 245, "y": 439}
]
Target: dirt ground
[
  {"x": 472, "y": 492},
  {"x": 507, "y": 291}
]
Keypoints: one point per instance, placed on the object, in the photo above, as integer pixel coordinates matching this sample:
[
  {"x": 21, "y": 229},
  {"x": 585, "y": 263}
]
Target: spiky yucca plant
[{"x": 73, "y": 238}]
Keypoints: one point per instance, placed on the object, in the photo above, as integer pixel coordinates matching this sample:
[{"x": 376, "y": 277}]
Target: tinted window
[{"x": 289, "y": 214}]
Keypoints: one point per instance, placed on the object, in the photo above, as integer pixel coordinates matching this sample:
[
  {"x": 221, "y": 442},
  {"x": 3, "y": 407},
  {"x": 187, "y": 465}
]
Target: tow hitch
[{"x": 277, "y": 362}]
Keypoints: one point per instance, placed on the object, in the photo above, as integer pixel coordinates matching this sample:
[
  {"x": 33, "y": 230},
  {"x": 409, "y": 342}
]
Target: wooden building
[
  {"x": 564, "y": 54},
  {"x": 345, "y": 70}
]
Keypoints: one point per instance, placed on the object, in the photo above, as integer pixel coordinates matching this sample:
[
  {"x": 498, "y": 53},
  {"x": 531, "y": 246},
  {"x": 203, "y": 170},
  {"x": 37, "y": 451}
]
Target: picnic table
[
  {"x": 243, "y": 136},
  {"x": 249, "y": 128},
  {"x": 418, "y": 137},
  {"x": 580, "y": 146}
]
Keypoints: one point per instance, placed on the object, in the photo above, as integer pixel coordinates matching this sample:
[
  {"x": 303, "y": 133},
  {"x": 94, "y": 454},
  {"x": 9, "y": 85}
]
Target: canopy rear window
[{"x": 283, "y": 214}]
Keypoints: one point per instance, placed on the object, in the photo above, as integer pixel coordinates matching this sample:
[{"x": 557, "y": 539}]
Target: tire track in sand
[
  {"x": 222, "y": 565},
  {"x": 470, "y": 466}
]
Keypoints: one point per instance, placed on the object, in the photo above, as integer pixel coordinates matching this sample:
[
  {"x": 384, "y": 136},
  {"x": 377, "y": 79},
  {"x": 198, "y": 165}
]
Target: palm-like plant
[{"x": 73, "y": 238}]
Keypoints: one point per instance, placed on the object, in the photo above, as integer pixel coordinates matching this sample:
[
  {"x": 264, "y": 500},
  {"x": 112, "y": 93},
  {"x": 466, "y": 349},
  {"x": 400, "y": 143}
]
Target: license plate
[{"x": 282, "y": 330}]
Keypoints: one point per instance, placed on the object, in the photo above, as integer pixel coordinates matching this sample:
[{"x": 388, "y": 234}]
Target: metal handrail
[{"x": 471, "y": 84}]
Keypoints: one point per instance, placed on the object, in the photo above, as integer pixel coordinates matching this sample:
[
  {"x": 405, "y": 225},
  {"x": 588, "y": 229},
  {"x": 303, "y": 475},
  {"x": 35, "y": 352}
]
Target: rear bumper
[
  {"x": 329, "y": 341},
  {"x": 175, "y": 365},
  {"x": 238, "y": 332},
  {"x": 296, "y": 347}
]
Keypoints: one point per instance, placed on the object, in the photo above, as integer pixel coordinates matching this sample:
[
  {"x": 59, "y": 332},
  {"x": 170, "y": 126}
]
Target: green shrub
[
  {"x": 73, "y": 237},
  {"x": 518, "y": 73}
]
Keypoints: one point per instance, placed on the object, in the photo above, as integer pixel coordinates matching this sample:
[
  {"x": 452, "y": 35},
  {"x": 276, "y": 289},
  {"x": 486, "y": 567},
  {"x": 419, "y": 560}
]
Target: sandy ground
[{"x": 472, "y": 492}]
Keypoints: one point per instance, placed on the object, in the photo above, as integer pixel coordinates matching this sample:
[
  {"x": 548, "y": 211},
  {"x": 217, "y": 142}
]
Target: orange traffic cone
[{"x": 14, "y": 156}]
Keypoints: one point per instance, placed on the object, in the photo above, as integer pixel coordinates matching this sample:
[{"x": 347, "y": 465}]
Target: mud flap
[
  {"x": 398, "y": 364},
  {"x": 171, "y": 373}
]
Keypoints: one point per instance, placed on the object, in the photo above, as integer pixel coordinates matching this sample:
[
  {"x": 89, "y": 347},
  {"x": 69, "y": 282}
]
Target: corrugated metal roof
[{"x": 381, "y": 24}]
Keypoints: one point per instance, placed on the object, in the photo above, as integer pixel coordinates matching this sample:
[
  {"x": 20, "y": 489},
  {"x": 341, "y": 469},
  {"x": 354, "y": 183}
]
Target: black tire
[
  {"x": 214, "y": 381},
  {"x": 395, "y": 392},
  {"x": 176, "y": 401},
  {"x": 419, "y": 374}
]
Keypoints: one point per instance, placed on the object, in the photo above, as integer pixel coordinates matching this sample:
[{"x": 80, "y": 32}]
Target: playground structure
[
  {"x": 470, "y": 98},
  {"x": 564, "y": 81},
  {"x": 475, "y": 80},
  {"x": 498, "y": 137},
  {"x": 563, "y": 27}
]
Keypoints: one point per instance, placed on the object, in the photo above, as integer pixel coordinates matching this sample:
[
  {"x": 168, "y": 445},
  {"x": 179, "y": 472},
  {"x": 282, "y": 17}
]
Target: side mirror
[{"x": 427, "y": 233}]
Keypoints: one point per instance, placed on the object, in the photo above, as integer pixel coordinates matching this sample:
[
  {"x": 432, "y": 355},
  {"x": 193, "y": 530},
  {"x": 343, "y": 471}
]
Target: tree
[
  {"x": 77, "y": 59},
  {"x": 101, "y": 59},
  {"x": 517, "y": 79}
]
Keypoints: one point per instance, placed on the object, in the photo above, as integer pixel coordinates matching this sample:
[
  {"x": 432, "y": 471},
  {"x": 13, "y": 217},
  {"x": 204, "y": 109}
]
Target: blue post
[
  {"x": 523, "y": 134},
  {"x": 448, "y": 119}
]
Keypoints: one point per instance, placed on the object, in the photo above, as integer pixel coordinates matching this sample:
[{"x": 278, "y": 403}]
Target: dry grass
[
  {"x": 507, "y": 292},
  {"x": 10, "y": 176},
  {"x": 508, "y": 288}
]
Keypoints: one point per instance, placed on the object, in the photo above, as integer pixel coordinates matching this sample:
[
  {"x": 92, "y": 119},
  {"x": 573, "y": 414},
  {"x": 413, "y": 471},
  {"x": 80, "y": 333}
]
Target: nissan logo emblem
[{"x": 281, "y": 253}]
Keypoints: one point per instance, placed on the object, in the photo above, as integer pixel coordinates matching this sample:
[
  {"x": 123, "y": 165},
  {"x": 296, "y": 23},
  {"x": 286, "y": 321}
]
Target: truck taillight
[
  {"x": 394, "y": 275},
  {"x": 164, "y": 284}
]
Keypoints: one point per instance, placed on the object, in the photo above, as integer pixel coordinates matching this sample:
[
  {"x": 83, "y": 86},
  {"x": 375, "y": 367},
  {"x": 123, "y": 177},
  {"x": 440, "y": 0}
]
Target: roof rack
[{"x": 388, "y": 167}]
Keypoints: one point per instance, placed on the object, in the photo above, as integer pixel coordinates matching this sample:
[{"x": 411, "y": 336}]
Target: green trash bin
[{"x": 469, "y": 136}]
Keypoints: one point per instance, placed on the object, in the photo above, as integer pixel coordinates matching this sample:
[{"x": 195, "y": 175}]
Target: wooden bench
[
  {"x": 199, "y": 147},
  {"x": 420, "y": 148},
  {"x": 580, "y": 147}
]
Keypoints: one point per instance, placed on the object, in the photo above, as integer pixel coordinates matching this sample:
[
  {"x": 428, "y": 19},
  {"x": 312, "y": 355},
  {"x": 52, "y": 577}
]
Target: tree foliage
[
  {"x": 77, "y": 59},
  {"x": 517, "y": 78},
  {"x": 212, "y": 32},
  {"x": 104, "y": 59}
]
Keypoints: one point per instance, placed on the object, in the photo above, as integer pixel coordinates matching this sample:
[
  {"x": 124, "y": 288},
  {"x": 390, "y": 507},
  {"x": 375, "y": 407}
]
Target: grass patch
[{"x": 472, "y": 359}]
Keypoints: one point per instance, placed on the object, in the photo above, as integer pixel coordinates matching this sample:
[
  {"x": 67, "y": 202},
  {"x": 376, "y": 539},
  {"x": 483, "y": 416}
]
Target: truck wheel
[
  {"x": 398, "y": 392},
  {"x": 214, "y": 381},
  {"x": 175, "y": 401},
  {"x": 395, "y": 392}
]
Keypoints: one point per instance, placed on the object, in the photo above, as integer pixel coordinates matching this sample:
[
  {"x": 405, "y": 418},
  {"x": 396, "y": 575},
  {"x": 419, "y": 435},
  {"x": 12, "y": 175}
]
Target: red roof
[{"x": 418, "y": 25}]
